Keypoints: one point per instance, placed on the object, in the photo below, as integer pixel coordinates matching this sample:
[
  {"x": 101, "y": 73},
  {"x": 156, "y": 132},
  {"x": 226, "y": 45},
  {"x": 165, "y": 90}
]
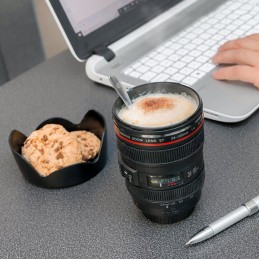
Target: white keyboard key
[
  {"x": 212, "y": 21},
  {"x": 194, "y": 65},
  {"x": 238, "y": 22},
  {"x": 142, "y": 69},
  {"x": 151, "y": 63},
  {"x": 224, "y": 32},
  {"x": 127, "y": 71},
  {"x": 233, "y": 16},
  {"x": 177, "y": 77},
  {"x": 195, "y": 53},
  {"x": 207, "y": 67},
  {"x": 210, "y": 42},
  {"x": 220, "y": 16},
  {"x": 183, "y": 52},
  {"x": 205, "y": 26},
  {"x": 198, "y": 74},
  {"x": 216, "y": 47},
  {"x": 234, "y": 6},
  {"x": 198, "y": 41},
  {"x": 252, "y": 22},
  {"x": 144, "y": 60},
  {"x": 217, "y": 37},
  {"x": 226, "y": 11},
  {"x": 189, "y": 80},
  {"x": 174, "y": 39},
  {"x": 205, "y": 36},
  {"x": 153, "y": 54},
  {"x": 202, "y": 59},
  {"x": 184, "y": 41},
  {"x": 209, "y": 53},
  {"x": 179, "y": 64},
  {"x": 245, "y": 27},
  {"x": 160, "y": 49},
  {"x": 238, "y": 32},
  {"x": 219, "y": 26},
  {"x": 247, "y": 7},
  {"x": 159, "y": 57},
  {"x": 187, "y": 59},
  {"x": 229, "y": 37},
  {"x": 148, "y": 76},
  {"x": 136, "y": 65},
  {"x": 190, "y": 46},
  {"x": 186, "y": 71},
  {"x": 191, "y": 36},
  {"x": 198, "y": 31},
  {"x": 246, "y": 17},
  {"x": 167, "y": 52},
  {"x": 170, "y": 71},
  {"x": 167, "y": 44},
  {"x": 174, "y": 57},
  {"x": 158, "y": 69},
  {"x": 166, "y": 63},
  {"x": 203, "y": 48},
  {"x": 135, "y": 74},
  {"x": 227, "y": 21},
  {"x": 231, "y": 27},
  {"x": 240, "y": 12},
  {"x": 175, "y": 46},
  {"x": 160, "y": 78}
]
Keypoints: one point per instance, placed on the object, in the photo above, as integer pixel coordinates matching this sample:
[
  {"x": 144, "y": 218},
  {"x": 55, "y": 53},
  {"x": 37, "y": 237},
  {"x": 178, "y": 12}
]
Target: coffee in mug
[{"x": 158, "y": 109}]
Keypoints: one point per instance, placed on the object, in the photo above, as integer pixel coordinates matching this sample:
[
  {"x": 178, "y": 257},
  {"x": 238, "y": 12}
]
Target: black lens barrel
[
  {"x": 148, "y": 156},
  {"x": 163, "y": 166}
]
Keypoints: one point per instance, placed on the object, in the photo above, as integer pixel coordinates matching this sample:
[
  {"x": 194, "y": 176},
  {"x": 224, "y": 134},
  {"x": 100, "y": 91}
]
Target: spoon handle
[{"x": 120, "y": 90}]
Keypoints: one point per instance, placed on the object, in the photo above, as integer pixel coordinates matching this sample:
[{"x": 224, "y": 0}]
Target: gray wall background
[{"x": 20, "y": 43}]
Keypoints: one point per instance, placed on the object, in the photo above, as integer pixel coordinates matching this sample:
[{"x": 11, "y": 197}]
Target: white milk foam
[{"x": 159, "y": 109}]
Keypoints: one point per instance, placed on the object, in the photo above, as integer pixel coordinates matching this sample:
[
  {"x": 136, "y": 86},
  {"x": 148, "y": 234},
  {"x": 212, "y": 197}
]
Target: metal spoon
[{"x": 121, "y": 91}]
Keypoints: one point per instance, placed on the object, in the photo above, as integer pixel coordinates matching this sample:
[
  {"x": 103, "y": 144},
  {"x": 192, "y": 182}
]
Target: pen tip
[{"x": 188, "y": 243}]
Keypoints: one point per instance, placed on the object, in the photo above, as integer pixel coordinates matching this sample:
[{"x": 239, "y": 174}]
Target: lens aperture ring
[
  {"x": 161, "y": 156},
  {"x": 167, "y": 195}
]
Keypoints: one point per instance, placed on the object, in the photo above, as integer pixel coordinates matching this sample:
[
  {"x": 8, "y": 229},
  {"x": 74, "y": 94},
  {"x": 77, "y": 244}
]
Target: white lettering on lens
[{"x": 137, "y": 139}]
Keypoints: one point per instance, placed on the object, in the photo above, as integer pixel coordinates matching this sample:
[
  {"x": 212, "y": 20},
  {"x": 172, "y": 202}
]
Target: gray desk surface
[{"x": 98, "y": 219}]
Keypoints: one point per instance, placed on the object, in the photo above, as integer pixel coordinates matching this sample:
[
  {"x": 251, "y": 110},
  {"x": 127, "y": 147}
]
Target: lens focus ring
[
  {"x": 161, "y": 156},
  {"x": 167, "y": 195}
]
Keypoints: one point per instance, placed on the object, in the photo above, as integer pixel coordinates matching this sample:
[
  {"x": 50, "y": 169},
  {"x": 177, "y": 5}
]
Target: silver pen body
[{"x": 247, "y": 209}]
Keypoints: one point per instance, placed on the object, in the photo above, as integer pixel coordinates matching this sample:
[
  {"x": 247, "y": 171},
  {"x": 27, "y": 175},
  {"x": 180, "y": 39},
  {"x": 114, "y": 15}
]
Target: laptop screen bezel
[{"x": 85, "y": 46}]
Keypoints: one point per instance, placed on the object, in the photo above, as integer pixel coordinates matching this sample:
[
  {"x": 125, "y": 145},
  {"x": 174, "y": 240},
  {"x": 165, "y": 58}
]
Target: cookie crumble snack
[
  {"x": 90, "y": 144},
  {"x": 52, "y": 147}
]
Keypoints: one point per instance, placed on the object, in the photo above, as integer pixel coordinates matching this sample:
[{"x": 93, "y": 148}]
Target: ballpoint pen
[{"x": 247, "y": 209}]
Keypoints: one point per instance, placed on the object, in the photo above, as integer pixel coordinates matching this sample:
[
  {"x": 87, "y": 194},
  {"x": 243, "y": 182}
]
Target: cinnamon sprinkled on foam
[
  {"x": 158, "y": 109},
  {"x": 155, "y": 104}
]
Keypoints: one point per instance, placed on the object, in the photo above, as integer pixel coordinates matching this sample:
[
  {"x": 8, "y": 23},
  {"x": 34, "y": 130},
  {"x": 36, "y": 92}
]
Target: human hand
[{"x": 243, "y": 56}]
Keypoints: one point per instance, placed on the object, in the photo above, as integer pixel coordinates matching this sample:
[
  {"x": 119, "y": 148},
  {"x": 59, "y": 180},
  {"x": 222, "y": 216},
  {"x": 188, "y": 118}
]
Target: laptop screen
[
  {"x": 87, "y": 16},
  {"x": 93, "y": 25}
]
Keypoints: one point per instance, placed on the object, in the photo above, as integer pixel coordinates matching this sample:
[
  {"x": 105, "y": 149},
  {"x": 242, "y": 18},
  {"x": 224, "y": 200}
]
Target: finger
[
  {"x": 242, "y": 43},
  {"x": 241, "y": 73},
  {"x": 254, "y": 36},
  {"x": 237, "y": 56}
]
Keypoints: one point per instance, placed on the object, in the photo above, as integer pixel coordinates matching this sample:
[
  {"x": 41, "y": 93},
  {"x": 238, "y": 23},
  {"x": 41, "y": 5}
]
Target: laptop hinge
[{"x": 107, "y": 53}]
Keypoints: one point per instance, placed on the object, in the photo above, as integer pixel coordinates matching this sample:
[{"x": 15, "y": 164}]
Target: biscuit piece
[
  {"x": 90, "y": 144},
  {"x": 51, "y": 148}
]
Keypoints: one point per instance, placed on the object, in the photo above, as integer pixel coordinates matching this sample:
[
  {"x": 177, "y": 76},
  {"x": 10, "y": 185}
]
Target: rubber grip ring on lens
[
  {"x": 167, "y": 195},
  {"x": 161, "y": 156}
]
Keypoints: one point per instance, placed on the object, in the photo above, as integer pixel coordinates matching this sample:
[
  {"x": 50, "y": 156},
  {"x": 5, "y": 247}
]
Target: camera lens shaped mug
[{"x": 163, "y": 167}]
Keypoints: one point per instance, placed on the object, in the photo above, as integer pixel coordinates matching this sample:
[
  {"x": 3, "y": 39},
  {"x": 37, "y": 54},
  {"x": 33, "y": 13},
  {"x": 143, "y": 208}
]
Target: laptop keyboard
[{"x": 186, "y": 57}]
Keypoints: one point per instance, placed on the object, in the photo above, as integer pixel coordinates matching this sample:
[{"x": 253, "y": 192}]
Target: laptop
[{"x": 143, "y": 41}]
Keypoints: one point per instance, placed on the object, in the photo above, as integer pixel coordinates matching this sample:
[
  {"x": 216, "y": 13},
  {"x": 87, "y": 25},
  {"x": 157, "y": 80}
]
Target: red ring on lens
[{"x": 158, "y": 144}]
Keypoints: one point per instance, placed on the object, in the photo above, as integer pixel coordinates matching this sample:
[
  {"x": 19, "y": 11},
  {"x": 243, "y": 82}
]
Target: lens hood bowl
[{"x": 71, "y": 175}]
